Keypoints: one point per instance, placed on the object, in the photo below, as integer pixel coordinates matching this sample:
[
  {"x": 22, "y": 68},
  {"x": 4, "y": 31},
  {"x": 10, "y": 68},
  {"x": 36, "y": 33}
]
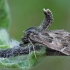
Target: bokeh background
[{"x": 28, "y": 13}]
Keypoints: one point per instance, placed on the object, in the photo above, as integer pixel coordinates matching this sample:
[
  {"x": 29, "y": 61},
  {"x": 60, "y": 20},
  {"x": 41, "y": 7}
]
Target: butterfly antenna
[
  {"x": 33, "y": 47},
  {"x": 29, "y": 52}
]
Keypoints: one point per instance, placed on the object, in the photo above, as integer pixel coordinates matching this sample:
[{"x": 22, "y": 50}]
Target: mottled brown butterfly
[{"x": 58, "y": 40}]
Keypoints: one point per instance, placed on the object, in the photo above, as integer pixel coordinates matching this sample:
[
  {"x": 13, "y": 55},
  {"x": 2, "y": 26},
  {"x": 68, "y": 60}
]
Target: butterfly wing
[{"x": 56, "y": 39}]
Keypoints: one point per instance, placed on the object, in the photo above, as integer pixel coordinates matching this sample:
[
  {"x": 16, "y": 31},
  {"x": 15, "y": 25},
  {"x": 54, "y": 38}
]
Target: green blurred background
[{"x": 28, "y": 13}]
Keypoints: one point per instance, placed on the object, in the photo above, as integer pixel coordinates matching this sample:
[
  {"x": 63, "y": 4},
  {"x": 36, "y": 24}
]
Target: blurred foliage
[
  {"x": 4, "y": 14},
  {"x": 4, "y": 39}
]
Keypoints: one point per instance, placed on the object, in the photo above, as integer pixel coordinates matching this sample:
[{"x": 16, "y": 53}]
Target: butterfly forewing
[{"x": 55, "y": 39}]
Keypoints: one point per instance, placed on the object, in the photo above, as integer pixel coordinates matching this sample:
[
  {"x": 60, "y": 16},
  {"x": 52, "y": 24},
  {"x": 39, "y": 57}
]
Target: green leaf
[
  {"x": 4, "y": 39},
  {"x": 4, "y": 14},
  {"x": 22, "y": 61}
]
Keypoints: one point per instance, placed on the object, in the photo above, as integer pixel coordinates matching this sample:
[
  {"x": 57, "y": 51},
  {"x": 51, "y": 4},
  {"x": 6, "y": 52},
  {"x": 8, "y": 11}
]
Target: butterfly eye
[{"x": 25, "y": 40}]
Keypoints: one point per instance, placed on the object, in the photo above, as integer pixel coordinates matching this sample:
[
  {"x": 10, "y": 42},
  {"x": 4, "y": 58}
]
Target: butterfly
[{"x": 58, "y": 40}]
